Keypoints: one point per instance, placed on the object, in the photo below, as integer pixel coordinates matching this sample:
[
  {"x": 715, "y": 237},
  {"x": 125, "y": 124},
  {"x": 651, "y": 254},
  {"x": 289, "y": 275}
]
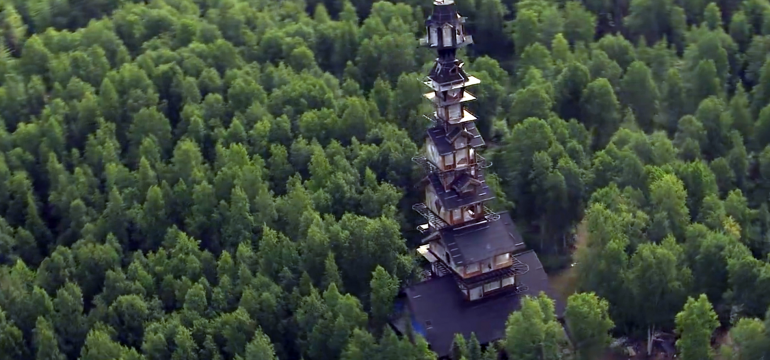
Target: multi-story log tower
[{"x": 479, "y": 263}]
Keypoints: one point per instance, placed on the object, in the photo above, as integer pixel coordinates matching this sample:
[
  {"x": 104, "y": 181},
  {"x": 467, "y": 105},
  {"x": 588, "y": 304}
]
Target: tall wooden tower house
[{"x": 479, "y": 265}]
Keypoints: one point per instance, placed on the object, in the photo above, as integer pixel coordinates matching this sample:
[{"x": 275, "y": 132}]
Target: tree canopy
[{"x": 232, "y": 179}]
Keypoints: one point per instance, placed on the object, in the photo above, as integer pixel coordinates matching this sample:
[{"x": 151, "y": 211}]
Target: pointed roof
[
  {"x": 444, "y": 11},
  {"x": 451, "y": 199},
  {"x": 450, "y": 72},
  {"x": 445, "y": 144}
]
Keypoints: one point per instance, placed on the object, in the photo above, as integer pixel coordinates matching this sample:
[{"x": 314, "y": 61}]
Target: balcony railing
[
  {"x": 482, "y": 162},
  {"x": 429, "y": 166},
  {"x": 519, "y": 268},
  {"x": 434, "y": 220},
  {"x": 426, "y": 164},
  {"x": 520, "y": 288},
  {"x": 490, "y": 215},
  {"x": 441, "y": 269}
]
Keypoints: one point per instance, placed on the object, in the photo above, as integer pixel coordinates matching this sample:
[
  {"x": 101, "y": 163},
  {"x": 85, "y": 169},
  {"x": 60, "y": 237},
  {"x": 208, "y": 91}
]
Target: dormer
[
  {"x": 465, "y": 184},
  {"x": 454, "y": 133},
  {"x": 461, "y": 139}
]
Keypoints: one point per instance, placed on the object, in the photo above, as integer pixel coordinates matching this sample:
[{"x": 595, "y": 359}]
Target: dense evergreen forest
[{"x": 232, "y": 179}]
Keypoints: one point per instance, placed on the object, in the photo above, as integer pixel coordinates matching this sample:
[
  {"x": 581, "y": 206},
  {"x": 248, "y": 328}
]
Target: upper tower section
[
  {"x": 446, "y": 28},
  {"x": 446, "y": 33}
]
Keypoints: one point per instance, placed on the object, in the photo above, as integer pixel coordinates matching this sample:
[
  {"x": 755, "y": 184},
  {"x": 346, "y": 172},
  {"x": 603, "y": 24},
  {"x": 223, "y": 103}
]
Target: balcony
[
  {"x": 482, "y": 162},
  {"x": 426, "y": 164},
  {"x": 432, "y": 121},
  {"x": 517, "y": 268},
  {"x": 466, "y": 96},
  {"x": 425, "y": 252},
  {"x": 470, "y": 81},
  {"x": 434, "y": 221},
  {"x": 490, "y": 215},
  {"x": 429, "y": 167}
]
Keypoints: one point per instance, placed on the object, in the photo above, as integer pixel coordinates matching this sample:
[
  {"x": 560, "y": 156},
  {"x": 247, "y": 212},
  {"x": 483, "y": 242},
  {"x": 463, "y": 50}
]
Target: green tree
[
  {"x": 259, "y": 348},
  {"x": 474, "y": 348},
  {"x": 695, "y": 324},
  {"x": 589, "y": 324},
  {"x": 11, "y": 339},
  {"x": 658, "y": 283},
  {"x": 600, "y": 110},
  {"x": 640, "y": 93},
  {"x": 749, "y": 339},
  {"x": 384, "y": 289},
  {"x": 46, "y": 344},
  {"x": 533, "y": 332},
  {"x": 459, "y": 348}
]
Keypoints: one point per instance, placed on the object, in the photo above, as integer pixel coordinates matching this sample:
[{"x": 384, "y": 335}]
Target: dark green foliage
[{"x": 231, "y": 179}]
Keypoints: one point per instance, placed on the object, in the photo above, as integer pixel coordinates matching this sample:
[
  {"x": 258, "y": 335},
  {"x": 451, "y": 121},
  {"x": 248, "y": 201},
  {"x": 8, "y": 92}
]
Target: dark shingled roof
[
  {"x": 463, "y": 181},
  {"x": 444, "y": 147},
  {"x": 451, "y": 200},
  {"x": 474, "y": 243},
  {"x": 439, "y": 310},
  {"x": 446, "y": 72},
  {"x": 445, "y": 13}
]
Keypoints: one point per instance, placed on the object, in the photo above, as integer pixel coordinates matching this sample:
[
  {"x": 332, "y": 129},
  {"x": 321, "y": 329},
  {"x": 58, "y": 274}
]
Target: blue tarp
[{"x": 400, "y": 308}]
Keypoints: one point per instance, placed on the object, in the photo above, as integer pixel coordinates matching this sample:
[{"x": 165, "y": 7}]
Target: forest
[{"x": 232, "y": 179}]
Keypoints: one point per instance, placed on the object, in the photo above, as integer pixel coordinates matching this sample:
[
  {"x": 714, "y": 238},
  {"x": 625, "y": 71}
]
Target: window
[
  {"x": 486, "y": 267},
  {"x": 472, "y": 268},
  {"x": 449, "y": 161},
  {"x": 494, "y": 285},
  {"x": 508, "y": 281},
  {"x": 448, "y": 259},
  {"x": 447, "y": 40},
  {"x": 456, "y": 215},
  {"x": 476, "y": 293},
  {"x": 462, "y": 143},
  {"x": 462, "y": 155},
  {"x": 455, "y": 112},
  {"x": 433, "y": 36},
  {"x": 468, "y": 215},
  {"x": 502, "y": 259}
]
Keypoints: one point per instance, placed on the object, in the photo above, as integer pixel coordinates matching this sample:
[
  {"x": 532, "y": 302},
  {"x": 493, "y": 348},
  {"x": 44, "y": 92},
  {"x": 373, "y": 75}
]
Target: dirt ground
[{"x": 564, "y": 281}]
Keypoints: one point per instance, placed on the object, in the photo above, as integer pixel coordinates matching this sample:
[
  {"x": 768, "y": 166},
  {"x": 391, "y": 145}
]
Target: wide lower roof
[{"x": 439, "y": 310}]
